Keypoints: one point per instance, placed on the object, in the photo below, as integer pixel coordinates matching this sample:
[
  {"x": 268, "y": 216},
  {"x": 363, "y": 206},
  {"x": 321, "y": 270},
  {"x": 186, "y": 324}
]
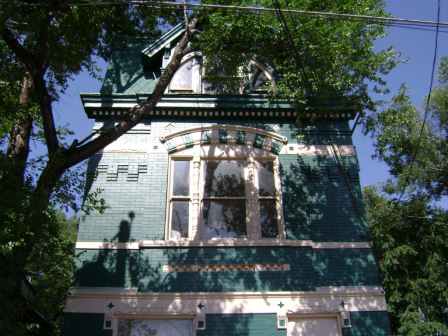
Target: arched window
[
  {"x": 224, "y": 184},
  {"x": 187, "y": 78}
]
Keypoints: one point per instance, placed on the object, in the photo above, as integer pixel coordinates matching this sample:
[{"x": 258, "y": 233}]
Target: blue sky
[{"x": 415, "y": 46}]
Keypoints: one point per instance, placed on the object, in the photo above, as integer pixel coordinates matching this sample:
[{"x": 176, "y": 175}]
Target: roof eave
[
  {"x": 98, "y": 106},
  {"x": 164, "y": 40}
]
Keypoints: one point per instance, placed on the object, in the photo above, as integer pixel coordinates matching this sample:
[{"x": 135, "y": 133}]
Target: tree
[
  {"x": 410, "y": 239},
  {"x": 409, "y": 225},
  {"x": 47, "y": 43},
  {"x": 314, "y": 59}
]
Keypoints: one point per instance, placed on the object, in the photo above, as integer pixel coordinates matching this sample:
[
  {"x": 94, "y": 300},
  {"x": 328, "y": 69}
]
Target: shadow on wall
[
  {"x": 109, "y": 266},
  {"x": 126, "y": 72},
  {"x": 322, "y": 198}
]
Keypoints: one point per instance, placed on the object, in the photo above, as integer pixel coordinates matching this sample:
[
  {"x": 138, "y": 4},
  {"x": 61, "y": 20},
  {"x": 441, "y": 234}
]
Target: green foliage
[
  {"x": 33, "y": 288},
  {"x": 409, "y": 227},
  {"x": 314, "y": 58},
  {"x": 56, "y": 41},
  {"x": 411, "y": 244},
  {"x": 75, "y": 34}
]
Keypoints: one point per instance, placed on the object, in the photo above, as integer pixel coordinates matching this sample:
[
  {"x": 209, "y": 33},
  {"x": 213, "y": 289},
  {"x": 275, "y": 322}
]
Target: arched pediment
[{"x": 225, "y": 135}]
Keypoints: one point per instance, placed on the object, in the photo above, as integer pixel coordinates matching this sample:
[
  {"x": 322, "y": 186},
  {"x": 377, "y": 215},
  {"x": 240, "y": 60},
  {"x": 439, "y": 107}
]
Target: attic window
[{"x": 187, "y": 77}]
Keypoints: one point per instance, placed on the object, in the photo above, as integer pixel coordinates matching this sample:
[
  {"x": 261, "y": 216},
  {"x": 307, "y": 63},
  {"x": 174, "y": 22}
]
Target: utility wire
[
  {"x": 257, "y": 9},
  {"x": 428, "y": 100},
  {"x": 298, "y": 60}
]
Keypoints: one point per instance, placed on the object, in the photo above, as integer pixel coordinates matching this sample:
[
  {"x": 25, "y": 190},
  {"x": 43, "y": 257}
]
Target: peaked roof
[
  {"x": 134, "y": 71},
  {"x": 136, "y": 68},
  {"x": 164, "y": 40}
]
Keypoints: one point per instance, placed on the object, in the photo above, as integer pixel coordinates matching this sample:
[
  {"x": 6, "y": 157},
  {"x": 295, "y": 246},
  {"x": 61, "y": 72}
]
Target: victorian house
[{"x": 223, "y": 217}]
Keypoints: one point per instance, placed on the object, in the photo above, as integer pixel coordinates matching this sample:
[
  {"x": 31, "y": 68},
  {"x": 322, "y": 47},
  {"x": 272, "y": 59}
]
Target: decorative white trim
[
  {"x": 269, "y": 134},
  {"x": 131, "y": 292},
  {"x": 223, "y": 243},
  {"x": 95, "y": 300},
  {"x": 323, "y": 150},
  {"x": 342, "y": 245},
  {"x": 107, "y": 246}
]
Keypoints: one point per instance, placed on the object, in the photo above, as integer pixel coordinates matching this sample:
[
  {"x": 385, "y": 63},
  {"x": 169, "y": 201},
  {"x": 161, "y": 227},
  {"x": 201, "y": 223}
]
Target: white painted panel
[
  {"x": 183, "y": 78},
  {"x": 313, "y": 327}
]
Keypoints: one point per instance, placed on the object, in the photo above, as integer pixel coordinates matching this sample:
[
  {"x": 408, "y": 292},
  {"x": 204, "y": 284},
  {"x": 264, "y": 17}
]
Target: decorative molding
[
  {"x": 133, "y": 292},
  {"x": 321, "y": 150},
  {"x": 225, "y": 267},
  {"x": 342, "y": 245},
  {"x": 223, "y": 243},
  {"x": 113, "y": 171},
  {"x": 94, "y": 300},
  {"x": 227, "y": 128},
  {"x": 201, "y": 106},
  {"x": 224, "y": 134}
]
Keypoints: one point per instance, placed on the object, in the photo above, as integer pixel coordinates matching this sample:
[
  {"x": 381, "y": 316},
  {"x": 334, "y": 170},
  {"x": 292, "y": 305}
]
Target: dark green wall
[
  {"x": 322, "y": 198},
  {"x": 368, "y": 323},
  {"x": 309, "y": 269},
  {"x": 241, "y": 325},
  {"x": 135, "y": 198}
]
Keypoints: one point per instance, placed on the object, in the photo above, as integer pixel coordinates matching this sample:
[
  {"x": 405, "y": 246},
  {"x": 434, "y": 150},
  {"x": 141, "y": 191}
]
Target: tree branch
[
  {"x": 46, "y": 111},
  {"x": 36, "y": 67},
  {"x": 23, "y": 55},
  {"x": 136, "y": 114}
]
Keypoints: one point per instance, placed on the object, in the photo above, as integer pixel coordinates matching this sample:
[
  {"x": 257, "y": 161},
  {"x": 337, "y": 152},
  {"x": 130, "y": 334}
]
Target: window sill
[
  {"x": 221, "y": 243},
  {"x": 246, "y": 242}
]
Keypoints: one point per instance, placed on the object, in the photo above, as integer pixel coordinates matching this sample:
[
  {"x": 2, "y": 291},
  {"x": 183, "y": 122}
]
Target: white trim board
[
  {"x": 355, "y": 299},
  {"x": 94, "y": 245}
]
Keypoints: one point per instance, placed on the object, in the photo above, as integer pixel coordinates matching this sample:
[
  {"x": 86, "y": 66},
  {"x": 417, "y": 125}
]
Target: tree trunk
[{"x": 20, "y": 135}]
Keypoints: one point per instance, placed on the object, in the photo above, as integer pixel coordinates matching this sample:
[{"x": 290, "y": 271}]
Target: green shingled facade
[{"x": 127, "y": 269}]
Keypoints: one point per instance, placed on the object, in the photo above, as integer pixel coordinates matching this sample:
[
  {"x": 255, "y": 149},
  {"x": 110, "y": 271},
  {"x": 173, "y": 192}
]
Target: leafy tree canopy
[
  {"x": 314, "y": 58},
  {"x": 409, "y": 223}
]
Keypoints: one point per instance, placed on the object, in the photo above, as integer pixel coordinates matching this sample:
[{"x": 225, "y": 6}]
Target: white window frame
[
  {"x": 198, "y": 154},
  {"x": 172, "y": 197}
]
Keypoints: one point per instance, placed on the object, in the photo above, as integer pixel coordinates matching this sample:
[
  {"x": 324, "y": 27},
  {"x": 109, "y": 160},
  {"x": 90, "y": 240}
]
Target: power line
[
  {"x": 428, "y": 99},
  {"x": 257, "y": 9}
]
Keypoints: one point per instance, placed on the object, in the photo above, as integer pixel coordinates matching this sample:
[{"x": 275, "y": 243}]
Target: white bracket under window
[
  {"x": 282, "y": 322},
  {"x": 346, "y": 322},
  {"x": 345, "y": 316},
  {"x": 107, "y": 322},
  {"x": 200, "y": 322}
]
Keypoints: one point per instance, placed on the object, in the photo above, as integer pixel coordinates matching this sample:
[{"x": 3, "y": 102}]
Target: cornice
[
  {"x": 86, "y": 245},
  {"x": 199, "y": 106}
]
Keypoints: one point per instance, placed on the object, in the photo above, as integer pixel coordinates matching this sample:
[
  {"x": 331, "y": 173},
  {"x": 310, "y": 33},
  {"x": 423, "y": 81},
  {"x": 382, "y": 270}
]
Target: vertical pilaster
[{"x": 195, "y": 198}]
